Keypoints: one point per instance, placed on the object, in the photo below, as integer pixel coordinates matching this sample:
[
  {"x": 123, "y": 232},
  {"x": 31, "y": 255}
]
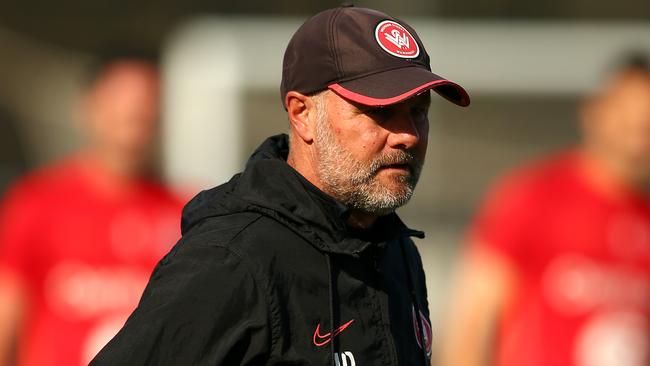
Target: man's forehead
[{"x": 622, "y": 83}]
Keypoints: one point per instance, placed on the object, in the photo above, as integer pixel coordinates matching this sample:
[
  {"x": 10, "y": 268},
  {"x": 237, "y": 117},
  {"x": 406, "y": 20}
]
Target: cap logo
[{"x": 396, "y": 40}]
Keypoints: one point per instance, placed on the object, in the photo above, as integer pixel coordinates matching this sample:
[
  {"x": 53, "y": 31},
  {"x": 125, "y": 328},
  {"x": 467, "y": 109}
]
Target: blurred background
[{"x": 525, "y": 63}]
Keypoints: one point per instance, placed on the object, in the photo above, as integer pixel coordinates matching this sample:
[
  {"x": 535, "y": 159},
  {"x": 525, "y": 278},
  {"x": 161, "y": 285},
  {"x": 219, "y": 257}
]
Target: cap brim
[{"x": 393, "y": 86}]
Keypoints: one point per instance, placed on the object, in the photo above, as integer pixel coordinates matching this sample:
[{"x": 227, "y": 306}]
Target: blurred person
[
  {"x": 301, "y": 259},
  {"x": 79, "y": 238},
  {"x": 12, "y": 150},
  {"x": 557, "y": 271}
]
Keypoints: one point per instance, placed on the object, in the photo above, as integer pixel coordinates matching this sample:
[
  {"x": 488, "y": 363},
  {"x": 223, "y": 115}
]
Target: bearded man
[{"x": 300, "y": 259}]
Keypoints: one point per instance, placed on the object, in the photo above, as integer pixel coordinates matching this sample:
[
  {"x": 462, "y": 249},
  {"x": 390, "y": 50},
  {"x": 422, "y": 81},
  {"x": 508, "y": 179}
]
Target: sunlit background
[{"x": 525, "y": 63}]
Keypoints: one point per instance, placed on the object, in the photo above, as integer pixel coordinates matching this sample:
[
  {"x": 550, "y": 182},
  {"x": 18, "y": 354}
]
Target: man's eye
[{"x": 380, "y": 115}]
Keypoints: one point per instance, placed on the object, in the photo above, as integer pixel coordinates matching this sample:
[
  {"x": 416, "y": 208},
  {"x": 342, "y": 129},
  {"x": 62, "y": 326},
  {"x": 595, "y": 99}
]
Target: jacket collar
[{"x": 270, "y": 186}]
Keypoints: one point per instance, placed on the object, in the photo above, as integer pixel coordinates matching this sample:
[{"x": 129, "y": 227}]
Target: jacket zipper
[{"x": 384, "y": 312}]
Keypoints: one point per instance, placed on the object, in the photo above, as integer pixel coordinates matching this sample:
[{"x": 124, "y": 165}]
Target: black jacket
[{"x": 266, "y": 270}]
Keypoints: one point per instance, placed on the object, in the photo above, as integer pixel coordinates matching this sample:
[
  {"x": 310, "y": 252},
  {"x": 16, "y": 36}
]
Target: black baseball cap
[{"x": 364, "y": 56}]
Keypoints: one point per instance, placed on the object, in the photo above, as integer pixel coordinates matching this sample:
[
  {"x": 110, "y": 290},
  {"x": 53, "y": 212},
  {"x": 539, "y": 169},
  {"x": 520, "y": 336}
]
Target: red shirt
[
  {"x": 583, "y": 264},
  {"x": 85, "y": 254}
]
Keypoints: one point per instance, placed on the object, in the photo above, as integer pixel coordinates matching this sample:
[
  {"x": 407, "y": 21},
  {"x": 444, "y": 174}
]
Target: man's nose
[{"x": 404, "y": 131}]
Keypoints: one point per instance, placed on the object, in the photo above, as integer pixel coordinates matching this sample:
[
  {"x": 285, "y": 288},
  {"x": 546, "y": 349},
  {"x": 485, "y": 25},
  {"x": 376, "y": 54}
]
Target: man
[
  {"x": 300, "y": 259},
  {"x": 558, "y": 267},
  {"x": 79, "y": 238}
]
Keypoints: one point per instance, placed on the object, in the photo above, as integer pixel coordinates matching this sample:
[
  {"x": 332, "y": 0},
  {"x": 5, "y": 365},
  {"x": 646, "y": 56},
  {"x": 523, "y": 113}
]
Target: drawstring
[
  {"x": 331, "y": 303},
  {"x": 416, "y": 305}
]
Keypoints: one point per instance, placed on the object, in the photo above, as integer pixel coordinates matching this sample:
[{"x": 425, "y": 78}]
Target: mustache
[{"x": 400, "y": 157}]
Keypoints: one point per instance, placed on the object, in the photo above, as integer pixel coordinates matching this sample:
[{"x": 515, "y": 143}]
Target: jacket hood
[{"x": 269, "y": 186}]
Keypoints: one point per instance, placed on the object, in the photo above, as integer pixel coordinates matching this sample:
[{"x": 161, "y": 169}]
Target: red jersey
[
  {"x": 583, "y": 262},
  {"x": 85, "y": 255}
]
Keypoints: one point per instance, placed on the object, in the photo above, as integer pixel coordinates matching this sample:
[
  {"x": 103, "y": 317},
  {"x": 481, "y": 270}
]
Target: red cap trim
[{"x": 378, "y": 102}]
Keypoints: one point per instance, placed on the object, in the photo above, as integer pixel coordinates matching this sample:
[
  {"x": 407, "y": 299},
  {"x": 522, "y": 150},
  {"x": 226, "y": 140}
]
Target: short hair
[
  {"x": 633, "y": 60},
  {"x": 108, "y": 55}
]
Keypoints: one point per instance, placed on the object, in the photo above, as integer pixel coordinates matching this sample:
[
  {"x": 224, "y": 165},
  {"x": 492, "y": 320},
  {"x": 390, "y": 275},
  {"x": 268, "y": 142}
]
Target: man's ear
[{"x": 299, "y": 109}]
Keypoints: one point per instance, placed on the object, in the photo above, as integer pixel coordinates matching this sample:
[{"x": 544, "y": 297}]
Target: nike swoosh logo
[{"x": 323, "y": 339}]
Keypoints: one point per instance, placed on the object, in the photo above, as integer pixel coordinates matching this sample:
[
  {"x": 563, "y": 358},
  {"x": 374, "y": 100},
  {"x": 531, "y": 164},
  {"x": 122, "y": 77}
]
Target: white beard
[{"x": 355, "y": 183}]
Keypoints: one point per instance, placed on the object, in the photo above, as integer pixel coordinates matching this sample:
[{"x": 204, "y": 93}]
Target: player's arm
[
  {"x": 19, "y": 218},
  {"x": 484, "y": 281},
  {"x": 488, "y": 271},
  {"x": 13, "y": 301}
]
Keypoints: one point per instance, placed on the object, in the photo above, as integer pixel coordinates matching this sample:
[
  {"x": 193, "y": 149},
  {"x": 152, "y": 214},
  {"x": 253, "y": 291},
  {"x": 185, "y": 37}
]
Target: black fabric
[
  {"x": 407, "y": 79},
  {"x": 264, "y": 260},
  {"x": 338, "y": 45}
]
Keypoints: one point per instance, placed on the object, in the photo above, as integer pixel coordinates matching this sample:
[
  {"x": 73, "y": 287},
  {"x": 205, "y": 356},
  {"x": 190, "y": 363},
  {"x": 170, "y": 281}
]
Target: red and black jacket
[{"x": 267, "y": 271}]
